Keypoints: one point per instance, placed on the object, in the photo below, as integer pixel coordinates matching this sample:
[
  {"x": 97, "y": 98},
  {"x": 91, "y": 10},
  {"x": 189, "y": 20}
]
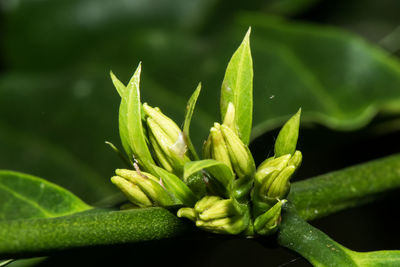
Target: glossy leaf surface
[{"x": 24, "y": 196}]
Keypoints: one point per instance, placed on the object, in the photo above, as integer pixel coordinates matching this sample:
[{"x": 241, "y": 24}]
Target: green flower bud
[
  {"x": 267, "y": 223},
  {"x": 229, "y": 119},
  {"x": 166, "y": 124},
  {"x": 170, "y": 152},
  {"x": 239, "y": 154},
  {"x": 217, "y": 215},
  {"x": 132, "y": 192},
  {"x": 272, "y": 180},
  {"x": 142, "y": 189},
  {"x": 219, "y": 151}
]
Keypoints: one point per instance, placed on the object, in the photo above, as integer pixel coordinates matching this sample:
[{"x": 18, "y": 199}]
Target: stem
[
  {"x": 326, "y": 194},
  {"x": 320, "y": 250},
  {"x": 32, "y": 237}
]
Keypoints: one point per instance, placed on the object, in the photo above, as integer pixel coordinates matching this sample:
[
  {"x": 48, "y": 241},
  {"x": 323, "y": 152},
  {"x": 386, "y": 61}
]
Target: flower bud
[
  {"x": 229, "y": 119},
  {"x": 273, "y": 176},
  {"x": 170, "y": 150},
  {"x": 142, "y": 189},
  {"x": 165, "y": 123},
  {"x": 267, "y": 223},
  {"x": 219, "y": 151},
  {"x": 241, "y": 159},
  {"x": 217, "y": 215},
  {"x": 132, "y": 192}
]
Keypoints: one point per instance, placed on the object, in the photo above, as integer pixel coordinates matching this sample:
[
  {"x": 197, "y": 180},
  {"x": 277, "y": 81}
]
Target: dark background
[{"x": 58, "y": 106}]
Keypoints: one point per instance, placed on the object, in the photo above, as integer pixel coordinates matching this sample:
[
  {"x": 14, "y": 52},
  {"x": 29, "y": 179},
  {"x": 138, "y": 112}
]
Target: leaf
[
  {"x": 353, "y": 186},
  {"x": 24, "y": 196},
  {"x": 188, "y": 118},
  {"x": 121, "y": 89},
  {"x": 318, "y": 248},
  {"x": 28, "y": 153},
  {"x": 173, "y": 184},
  {"x": 237, "y": 88},
  {"x": 219, "y": 170},
  {"x": 286, "y": 141},
  {"x": 93, "y": 228},
  {"x": 130, "y": 123},
  {"x": 337, "y": 78}
]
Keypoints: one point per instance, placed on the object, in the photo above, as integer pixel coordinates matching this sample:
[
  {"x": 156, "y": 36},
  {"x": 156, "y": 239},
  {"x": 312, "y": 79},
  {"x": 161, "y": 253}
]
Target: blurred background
[{"x": 338, "y": 60}]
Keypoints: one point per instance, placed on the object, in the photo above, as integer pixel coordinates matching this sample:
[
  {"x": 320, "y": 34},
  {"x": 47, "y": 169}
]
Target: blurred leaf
[
  {"x": 24, "y": 196},
  {"x": 93, "y": 228},
  {"x": 237, "y": 88},
  {"x": 289, "y": 7},
  {"x": 338, "y": 79},
  {"x": 26, "y": 153}
]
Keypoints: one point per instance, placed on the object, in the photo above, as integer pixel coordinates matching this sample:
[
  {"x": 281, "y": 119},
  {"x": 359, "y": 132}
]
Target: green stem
[
  {"x": 313, "y": 198},
  {"x": 32, "y": 237},
  {"x": 350, "y": 187},
  {"x": 320, "y": 250}
]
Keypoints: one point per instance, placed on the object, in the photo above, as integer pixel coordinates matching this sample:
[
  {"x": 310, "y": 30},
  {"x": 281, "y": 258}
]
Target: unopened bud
[
  {"x": 267, "y": 223},
  {"x": 152, "y": 191},
  {"x": 132, "y": 192},
  {"x": 241, "y": 159},
  {"x": 229, "y": 119},
  {"x": 273, "y": 176},
  {"x": 165, "y": 123},
  {"x": 170, "y": 152},
  {"x": 216, "y": 215},
  {"x": 219, "y": 151}
]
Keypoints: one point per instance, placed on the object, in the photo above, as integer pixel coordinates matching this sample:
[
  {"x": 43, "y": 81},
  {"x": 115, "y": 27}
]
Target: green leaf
[
  {"x": 25, "y": 152},
  {"x": 121, "y": 88},
  {"x": 175, "y": 185},
  {"x": 318, "y": 248},
  {"x": 93, "y": 228},
  {"x": 353, "y": 186},
  {"x": 340, "y": 80},
  {"x": 130, "y": 124},
  {"x": 24, "y": 196},
  {"x": 188, "y": 118},
  {"x": 218, "y": 170},
  {"x": 286, "y": 141},
  {"x": 237, "y": 88}
]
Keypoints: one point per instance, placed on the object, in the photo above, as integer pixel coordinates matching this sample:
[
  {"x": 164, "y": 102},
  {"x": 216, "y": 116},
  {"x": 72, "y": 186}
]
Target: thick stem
[
  {"x": 326, "y": 194},
  {"x": 32, "y": 237}
]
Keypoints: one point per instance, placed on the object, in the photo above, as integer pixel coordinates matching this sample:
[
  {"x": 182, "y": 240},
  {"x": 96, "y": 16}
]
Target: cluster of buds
[
  {"x": 224, "y": 193},
  {"x": 218, "y": 215},
  {"x": 224, "y": 145}
]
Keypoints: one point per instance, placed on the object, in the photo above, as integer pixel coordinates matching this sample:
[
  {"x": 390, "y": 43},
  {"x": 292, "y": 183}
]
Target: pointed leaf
[
  {"x": 219, "y": 170},
  {"x": 287, "y": 138},
  {"x": 188, "y": 118},
  {"x": 25, "y": 196},
  {"x": 130, "y": 124},
  {"x": 237, "y": 88},
  {"x": 121, "y": 89}
]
